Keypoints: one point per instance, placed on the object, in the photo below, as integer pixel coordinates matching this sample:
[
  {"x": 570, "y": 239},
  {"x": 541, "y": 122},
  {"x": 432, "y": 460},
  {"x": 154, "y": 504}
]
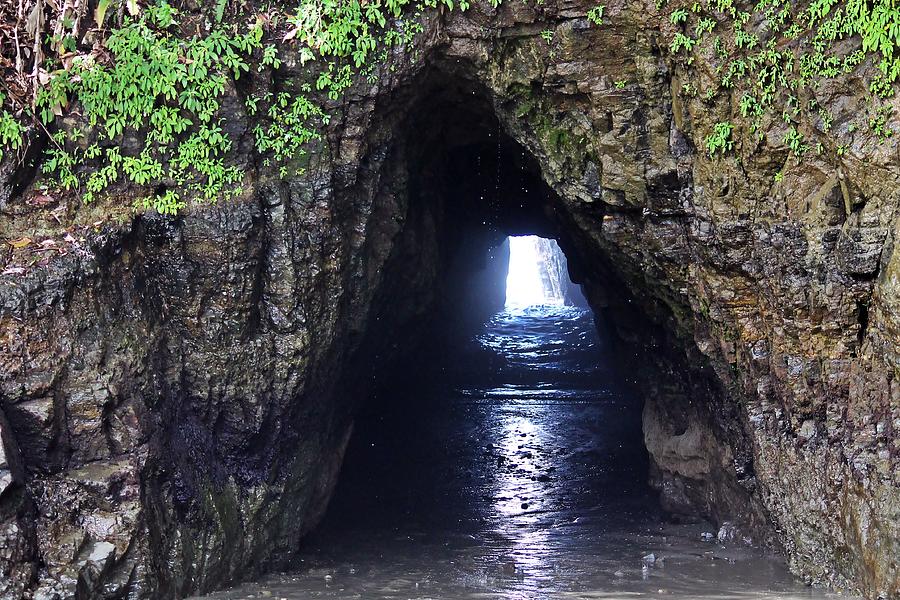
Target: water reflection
[{"x": 514, "y": 472}]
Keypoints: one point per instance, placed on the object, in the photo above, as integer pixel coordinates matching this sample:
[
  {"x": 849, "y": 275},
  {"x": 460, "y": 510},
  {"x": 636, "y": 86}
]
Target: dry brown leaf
[{"x": 20, "y": 243}]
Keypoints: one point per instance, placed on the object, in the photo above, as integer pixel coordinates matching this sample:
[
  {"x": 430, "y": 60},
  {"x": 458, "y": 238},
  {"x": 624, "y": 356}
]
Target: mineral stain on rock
[{"x": 177, "y": 393}]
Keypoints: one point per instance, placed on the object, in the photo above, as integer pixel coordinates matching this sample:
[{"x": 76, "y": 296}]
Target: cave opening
[
  {"x": 506, "y": 434},
  {"x": 501, "y": 444},
  {"x": 538, "y": 274}
]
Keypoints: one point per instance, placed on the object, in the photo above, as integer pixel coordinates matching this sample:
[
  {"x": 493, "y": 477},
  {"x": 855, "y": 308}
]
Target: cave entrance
[
  {"x": 508, "y": 440},
  {"x": 501, "y": 449}
]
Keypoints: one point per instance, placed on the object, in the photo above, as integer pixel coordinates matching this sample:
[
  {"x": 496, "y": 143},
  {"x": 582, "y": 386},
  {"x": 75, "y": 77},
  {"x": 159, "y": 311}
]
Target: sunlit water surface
[{"x": 516, "y": 471}]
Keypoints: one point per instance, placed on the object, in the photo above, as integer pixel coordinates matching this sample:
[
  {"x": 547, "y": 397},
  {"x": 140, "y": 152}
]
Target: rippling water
[{"x": 516, "y": 471}]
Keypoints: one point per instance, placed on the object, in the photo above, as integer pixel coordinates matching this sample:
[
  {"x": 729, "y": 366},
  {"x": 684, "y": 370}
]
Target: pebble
[{"x": 727, "y": 532}]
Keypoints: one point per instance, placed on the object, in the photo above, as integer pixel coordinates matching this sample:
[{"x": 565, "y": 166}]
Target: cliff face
[{"x": 176, "y": 393}]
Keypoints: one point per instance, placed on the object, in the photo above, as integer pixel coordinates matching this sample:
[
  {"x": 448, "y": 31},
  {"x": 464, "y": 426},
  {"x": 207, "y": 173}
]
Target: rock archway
[{"x": 186, "y": 426}]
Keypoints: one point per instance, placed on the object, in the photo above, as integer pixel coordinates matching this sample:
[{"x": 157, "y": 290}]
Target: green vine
[
  {"x": 158, "y": 87},
  {"x": 778, "y": 51},
  {"x": 162, "y": 88},
  {"x": 150, "y": 97}
]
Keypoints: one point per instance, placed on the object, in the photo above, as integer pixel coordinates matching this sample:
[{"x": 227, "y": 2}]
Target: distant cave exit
[{"x": 538, "y": 275}]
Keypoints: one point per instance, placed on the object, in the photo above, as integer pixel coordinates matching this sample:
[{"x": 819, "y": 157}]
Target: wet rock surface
[{"x": 182, "y": 389}]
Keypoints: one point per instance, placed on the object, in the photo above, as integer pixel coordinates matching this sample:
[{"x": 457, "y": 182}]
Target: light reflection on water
[{"x": 517, "y": 473}]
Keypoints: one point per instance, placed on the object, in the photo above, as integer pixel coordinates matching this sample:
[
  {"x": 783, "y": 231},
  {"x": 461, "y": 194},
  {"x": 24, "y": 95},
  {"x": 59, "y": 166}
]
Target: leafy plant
[
  {"x": 595, "y": 15},
  {"x": 678, "y": 16},
  {"x": 11, "y": 131},
  {"x": 784, "y": 47},
  {"x": 878, "y": 123},
  {"x": 682, "y": 41},
  {"x": 720, "y": 139},
  {"x": 168, "y": 203},
  {"x": 749, "y": 106},
  {"x": 705, "y": 25},
  {"x": 289, "y": 127},
  {"x": 794, "y": 140},
  {"x": 152, "y": 80},
  {"x": 154, "y": 77}
]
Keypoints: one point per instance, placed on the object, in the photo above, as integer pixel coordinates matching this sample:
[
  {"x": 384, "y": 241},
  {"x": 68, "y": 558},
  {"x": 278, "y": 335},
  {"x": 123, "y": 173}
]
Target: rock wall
[{"x": 176, "y": 394}]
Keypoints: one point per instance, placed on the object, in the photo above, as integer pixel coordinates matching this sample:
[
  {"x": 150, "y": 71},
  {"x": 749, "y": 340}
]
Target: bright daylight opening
[{"x": 534, "y": 276}]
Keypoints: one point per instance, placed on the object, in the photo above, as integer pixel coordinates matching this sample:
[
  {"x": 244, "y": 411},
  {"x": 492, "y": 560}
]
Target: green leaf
[
  {"x": 220, "y": 10},
  {"x": 100, "y": 11}
]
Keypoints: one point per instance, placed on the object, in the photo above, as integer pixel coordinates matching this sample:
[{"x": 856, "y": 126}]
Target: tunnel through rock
[{"x": 467, "y": 186}]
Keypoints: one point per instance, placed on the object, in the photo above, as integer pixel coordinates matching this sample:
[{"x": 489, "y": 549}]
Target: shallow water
[{"x": 515, "y": 470}]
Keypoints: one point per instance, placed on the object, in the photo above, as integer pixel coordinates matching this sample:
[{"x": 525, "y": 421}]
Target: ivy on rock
[{"x": 148, "y": 94}]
